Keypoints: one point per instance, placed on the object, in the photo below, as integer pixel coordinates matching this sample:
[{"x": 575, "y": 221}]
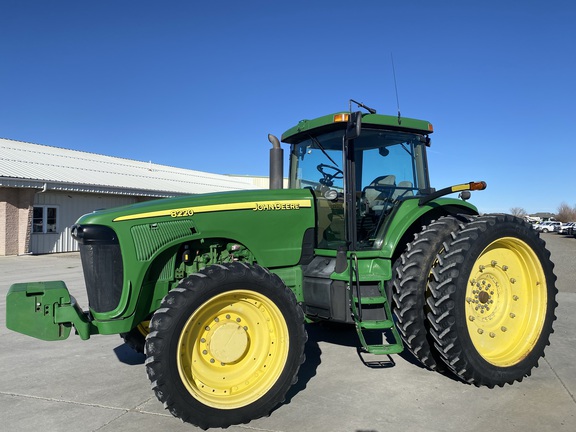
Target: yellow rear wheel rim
[
  {"x": 233, "y": 349},
  {"x": 506, "y": 300}
]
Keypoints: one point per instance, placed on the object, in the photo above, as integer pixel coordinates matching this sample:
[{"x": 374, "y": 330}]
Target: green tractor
[{"x": 216, "y": 289}]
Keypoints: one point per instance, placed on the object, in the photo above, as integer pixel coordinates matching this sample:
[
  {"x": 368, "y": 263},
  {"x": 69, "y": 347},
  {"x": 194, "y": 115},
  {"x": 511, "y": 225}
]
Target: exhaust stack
[{"x": 276, "y": 163}]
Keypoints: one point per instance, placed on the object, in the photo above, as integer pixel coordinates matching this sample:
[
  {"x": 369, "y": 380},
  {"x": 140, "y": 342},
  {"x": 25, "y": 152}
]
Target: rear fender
[{"x": 408, "y": 218}]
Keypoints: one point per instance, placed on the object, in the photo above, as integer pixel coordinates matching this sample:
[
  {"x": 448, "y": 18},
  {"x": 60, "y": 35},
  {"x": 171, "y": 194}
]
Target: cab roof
[{"x": 338, "y": 120}]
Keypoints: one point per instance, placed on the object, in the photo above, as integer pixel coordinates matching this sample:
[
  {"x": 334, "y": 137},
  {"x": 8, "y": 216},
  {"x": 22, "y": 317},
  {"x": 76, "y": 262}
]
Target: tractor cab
[
  {"x": 368, "y": 174},
  {"x": 359, "y": 167}
]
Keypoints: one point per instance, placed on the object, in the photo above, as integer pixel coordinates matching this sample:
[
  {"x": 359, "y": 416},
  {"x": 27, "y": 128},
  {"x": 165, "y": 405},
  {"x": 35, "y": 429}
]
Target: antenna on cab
[{"x": 396, "y": 89}]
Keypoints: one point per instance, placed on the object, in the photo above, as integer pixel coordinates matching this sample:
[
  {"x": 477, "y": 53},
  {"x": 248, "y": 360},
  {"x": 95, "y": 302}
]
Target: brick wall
[{"x": 15, "y": 214}]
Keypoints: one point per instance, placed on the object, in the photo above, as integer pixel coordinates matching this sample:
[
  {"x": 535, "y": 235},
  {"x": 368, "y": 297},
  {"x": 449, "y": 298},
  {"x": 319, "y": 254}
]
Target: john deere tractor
[{"x": 216, "y": 289}]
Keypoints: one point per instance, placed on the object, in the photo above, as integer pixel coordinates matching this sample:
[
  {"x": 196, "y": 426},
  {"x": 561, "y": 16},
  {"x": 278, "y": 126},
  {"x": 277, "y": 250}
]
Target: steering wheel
[{"x": 329, "y": 174}]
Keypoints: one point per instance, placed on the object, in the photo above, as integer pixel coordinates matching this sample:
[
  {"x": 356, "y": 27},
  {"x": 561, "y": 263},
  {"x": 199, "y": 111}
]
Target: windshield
[
  {"x": 314, "y": 157},
  {"x": 388, "y": 167}
]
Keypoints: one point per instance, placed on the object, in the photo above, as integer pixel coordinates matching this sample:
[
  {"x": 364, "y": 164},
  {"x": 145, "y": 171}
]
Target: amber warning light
[
  {"x": 342, "y": 117},
  {"x": 481, "y": 185}
]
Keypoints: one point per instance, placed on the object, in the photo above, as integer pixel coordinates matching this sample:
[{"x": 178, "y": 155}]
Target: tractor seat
[
  {"x": 379, "y": 192},
  {"x": 403, "y": 190}
]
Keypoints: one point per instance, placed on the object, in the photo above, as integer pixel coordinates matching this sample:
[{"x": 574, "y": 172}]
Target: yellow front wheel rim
[
  {"x": 144, "y": 328},
  {"x": 506, "y": 301},
  {"x": 233, "y": 349}
]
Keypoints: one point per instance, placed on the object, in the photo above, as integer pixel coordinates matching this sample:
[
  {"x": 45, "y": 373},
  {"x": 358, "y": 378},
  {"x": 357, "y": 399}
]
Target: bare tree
[
  {"x": 518, "y": 211},
  {"x": 566, "y": 213}
]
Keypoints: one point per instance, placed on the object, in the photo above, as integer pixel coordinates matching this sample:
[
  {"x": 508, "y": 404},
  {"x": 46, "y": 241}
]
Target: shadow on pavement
[{"x": 128, "y": 356}]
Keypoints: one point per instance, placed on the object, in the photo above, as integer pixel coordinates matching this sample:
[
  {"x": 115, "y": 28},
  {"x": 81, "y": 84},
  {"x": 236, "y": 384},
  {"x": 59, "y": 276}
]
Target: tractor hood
[
  {"x": 270, "y": 223},
  {"x": 188, "y": 206}
]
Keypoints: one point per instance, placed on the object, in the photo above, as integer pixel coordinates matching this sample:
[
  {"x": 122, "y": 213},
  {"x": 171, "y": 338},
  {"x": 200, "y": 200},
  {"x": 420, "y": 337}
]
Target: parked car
[
  {"x": 548, "y": 226},
  {"x": 565, "y": 227}
]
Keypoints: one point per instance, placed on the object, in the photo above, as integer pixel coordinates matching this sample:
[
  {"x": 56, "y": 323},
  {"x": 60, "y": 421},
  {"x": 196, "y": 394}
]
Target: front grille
[{"x": 102, "y": 264}]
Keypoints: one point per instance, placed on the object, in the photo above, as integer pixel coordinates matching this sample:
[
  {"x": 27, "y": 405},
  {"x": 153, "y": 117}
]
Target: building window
[{"x": 45, "y": 219}]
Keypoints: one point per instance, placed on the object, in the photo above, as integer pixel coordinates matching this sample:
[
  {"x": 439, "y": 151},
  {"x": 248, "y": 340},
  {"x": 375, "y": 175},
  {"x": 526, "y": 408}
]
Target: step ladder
[{"x": 379, "y": 301}]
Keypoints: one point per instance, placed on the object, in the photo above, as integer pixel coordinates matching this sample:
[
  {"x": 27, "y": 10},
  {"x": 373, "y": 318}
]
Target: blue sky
[{"x": 199, "y": 85}]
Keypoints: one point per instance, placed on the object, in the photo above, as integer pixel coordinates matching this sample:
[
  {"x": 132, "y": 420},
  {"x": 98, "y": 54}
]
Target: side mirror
[
  {"x": 425, "y": 140},
  {"x": 354, "y": 125}
]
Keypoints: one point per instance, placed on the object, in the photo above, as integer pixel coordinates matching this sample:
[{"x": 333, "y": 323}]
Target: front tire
[
  {"x": 493, "y": 301},
  {"x": 136, "y": 338},
  {"x": 226, "y": 345}
]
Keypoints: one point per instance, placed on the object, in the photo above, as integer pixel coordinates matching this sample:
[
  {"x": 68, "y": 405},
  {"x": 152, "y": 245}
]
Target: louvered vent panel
[{"x": 149, "y": 238}]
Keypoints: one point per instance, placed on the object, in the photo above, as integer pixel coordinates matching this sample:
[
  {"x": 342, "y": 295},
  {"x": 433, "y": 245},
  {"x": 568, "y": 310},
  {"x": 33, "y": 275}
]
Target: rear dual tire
[
  {"x": 476, "y": 296},
  {"x": 492, "y": 301},
  {"x": 411, "y": 276}
]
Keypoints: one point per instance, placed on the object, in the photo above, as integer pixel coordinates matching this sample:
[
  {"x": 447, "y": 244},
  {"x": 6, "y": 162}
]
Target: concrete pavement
[{"x": 101, "y": 385}]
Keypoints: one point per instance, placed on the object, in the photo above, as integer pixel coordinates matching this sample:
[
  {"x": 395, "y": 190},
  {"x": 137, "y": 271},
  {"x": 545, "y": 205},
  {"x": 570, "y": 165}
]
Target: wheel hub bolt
[
  {"x": 503, "y": 329},
  {"x": 512, "y": 280},
  {"x": 515, "y": 298},
  {"x": 493, "y": 263},
  {"x": 471, "y": 318},
  {"x": 480, "y": 331},
  {"x": 492, "y": 334},
  {"x": 512, "y": 315},
  {"x": 481, "y": 268},
  {"x": 505, "y": 268}
]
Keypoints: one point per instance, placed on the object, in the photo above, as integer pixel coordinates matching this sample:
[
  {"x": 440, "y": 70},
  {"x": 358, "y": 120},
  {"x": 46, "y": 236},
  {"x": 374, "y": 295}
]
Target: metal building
[{"x": 43, "y": 191}]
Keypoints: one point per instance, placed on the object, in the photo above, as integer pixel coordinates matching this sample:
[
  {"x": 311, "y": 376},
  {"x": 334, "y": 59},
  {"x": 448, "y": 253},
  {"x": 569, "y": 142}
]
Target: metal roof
[{"x": 30, "y": 165}]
